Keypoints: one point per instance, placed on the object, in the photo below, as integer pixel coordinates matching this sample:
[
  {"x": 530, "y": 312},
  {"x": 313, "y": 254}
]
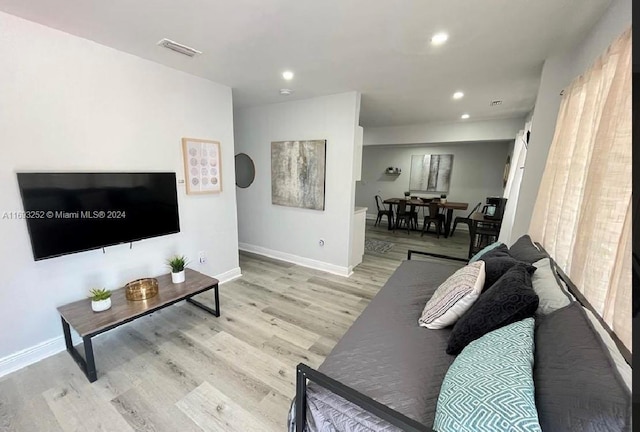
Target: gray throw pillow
[
  {"x": 552, "y": 296},
  {"x": 524, "y": 250},
  {"x": 577, "y": 385}
]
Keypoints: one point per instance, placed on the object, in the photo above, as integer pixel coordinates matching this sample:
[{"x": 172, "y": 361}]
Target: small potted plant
[
  {"x": 177, "y": 264},
  {"x": 443, "y": 198},
  {"x": 100, "y": 299}
]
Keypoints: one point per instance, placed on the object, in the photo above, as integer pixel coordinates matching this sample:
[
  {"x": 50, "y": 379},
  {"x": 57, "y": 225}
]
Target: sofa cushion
[
  {"x": 453, "y": 297},
  {"x": 524, "y": 250},
  {"x": 489, "y": 386},
  {"x": 614, "y": 352},
  {"x": 545, "y": 284},
  {"x": 486, "y": 249},
  {"x": 509, "y": 300},
  {"x": 577, "y": 384},
  {"x": 386, "y": 356},
  {"x": 497, "y": 262}
]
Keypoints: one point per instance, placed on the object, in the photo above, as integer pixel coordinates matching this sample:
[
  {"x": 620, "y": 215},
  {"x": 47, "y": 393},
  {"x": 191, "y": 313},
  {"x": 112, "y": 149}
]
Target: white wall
[
  {"x": 71, "y": 104},
  {"x": 558, "y": 72},
  {"x": 444, "y": 132},
  {"x": 477, "y": 172},
  {"x": 293, "y": 233}
]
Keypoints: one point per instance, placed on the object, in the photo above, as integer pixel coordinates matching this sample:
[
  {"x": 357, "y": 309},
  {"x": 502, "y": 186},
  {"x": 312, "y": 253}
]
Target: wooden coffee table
[{"x": 89, "y": 324}]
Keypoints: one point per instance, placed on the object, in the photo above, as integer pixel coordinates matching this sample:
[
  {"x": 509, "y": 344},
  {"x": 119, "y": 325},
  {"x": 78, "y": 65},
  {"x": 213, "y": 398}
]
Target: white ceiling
[{"x": 381, "y": 48}]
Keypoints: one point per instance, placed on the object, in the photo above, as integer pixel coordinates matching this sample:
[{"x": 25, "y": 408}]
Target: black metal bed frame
[
  {"x": 305, "y": 373},
  {"x": 626, "y": 354}
]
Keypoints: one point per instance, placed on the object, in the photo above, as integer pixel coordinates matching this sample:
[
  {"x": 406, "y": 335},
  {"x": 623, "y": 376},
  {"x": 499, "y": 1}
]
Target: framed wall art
[
  {"x": 298, "y": 173},
  {"x": 430, "y": 173},
  {"x": 202, "y": 166}
]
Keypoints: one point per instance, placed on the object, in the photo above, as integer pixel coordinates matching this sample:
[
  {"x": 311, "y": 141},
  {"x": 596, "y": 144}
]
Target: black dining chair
[
  {"x": 464, "y": 220},
  {"x": 383, "y": 211},
  {"x": 402, "y": 215},
  {"x": 434, "y": 216},
  {"x": 483, "y": 233}
]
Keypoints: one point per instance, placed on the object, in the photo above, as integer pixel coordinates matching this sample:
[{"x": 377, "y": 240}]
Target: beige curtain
[{"x": 582, "y": 214}]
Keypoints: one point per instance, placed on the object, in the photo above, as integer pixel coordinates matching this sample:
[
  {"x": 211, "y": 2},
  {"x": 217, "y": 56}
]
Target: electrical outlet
[
  {"x": 202, "y": 257},
  {"x": 321, "y": 242}
]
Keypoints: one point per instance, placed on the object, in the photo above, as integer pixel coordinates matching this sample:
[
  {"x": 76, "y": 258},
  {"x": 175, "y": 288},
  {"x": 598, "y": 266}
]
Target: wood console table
[{"x": 89, "y": 324}]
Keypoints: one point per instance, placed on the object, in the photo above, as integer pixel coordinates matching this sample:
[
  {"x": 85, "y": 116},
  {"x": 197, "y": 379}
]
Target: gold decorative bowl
[{"x": 141, "y": 289}]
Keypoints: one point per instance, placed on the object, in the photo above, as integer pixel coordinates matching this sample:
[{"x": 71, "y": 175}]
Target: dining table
[{"x": 448, "y": 206}]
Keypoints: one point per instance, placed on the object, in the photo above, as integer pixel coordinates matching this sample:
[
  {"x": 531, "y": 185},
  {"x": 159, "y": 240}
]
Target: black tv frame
[{"x": 105, "y": 245}]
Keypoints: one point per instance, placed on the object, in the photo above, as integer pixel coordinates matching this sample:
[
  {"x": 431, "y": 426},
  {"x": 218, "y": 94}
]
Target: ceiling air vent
[
  {"x": 179, "y": 48},
  {"x": 495, "y": 103}
]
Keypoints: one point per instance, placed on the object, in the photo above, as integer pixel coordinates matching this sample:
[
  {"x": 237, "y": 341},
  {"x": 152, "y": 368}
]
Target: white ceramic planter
[
  {"x": 177, "y": 278},
  {"x": 101, "y": 305}
]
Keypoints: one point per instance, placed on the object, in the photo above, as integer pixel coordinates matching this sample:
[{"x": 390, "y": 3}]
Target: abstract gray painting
[
  {"x": 430, "y": 173},
  {"x": 297, "y": 173}
]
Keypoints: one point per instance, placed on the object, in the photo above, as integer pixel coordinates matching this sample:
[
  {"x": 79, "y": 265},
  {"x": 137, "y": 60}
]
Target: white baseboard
[
  {"x": 27, "y": 356},
  {"x": 230, "y": 275},
  {"x": 296, "y": 259}
]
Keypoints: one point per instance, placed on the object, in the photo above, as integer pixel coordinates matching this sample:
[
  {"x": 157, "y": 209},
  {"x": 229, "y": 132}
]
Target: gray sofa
[{"x": 386, "y": 372}]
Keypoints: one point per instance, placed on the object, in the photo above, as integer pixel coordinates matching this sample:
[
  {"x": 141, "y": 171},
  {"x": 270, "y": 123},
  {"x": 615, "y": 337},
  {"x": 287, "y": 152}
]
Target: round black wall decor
[{"x": 245, "y": 170}]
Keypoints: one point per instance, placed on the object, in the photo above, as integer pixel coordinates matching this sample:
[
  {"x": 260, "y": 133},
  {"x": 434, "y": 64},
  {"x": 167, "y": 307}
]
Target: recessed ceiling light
[
  {"x": 458, "y": 95},
  {"x": 439, "y": 38},
  {"x": 288, "y": 75},
  {"x": 464, "y": 116},
  {"x": 286, "y": 92}
]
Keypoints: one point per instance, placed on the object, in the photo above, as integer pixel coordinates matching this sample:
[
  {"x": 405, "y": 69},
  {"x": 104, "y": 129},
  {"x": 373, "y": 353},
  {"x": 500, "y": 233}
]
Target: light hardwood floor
[{"x": 181, "y": 369}]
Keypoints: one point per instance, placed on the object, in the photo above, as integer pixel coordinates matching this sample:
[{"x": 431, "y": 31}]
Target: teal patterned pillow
[{"x": 489, "y": 386}]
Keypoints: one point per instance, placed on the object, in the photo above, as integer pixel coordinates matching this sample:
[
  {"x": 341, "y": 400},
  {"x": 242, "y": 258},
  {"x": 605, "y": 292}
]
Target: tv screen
[{"x": 73, "y": 212}]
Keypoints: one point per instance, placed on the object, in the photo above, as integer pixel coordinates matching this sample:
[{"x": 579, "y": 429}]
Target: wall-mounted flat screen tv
[{"x": 74, "y": 212}]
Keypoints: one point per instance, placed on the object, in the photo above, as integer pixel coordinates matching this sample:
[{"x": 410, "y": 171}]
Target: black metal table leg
[
  {"x": 87, "y": 364},
  {"x": 215, "y": 312},
  {"x": 447, "y": 223},
  {"x": 67, "y": 334},
  {"x": 90, "y": 368}
]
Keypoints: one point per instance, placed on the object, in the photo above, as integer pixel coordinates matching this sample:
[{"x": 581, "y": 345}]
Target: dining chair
[
  {"x": 383, "y": 211},
  {"x": 402, "y": 215},
  {"x": 464, "y": 220},
  {"x": 434, "y": 216},
  {"x": 482, "y": 233}
]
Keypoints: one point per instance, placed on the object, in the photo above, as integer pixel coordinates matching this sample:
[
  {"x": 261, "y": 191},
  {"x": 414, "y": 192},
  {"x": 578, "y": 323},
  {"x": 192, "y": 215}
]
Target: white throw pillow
[{"x": 454, "y": 297}]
